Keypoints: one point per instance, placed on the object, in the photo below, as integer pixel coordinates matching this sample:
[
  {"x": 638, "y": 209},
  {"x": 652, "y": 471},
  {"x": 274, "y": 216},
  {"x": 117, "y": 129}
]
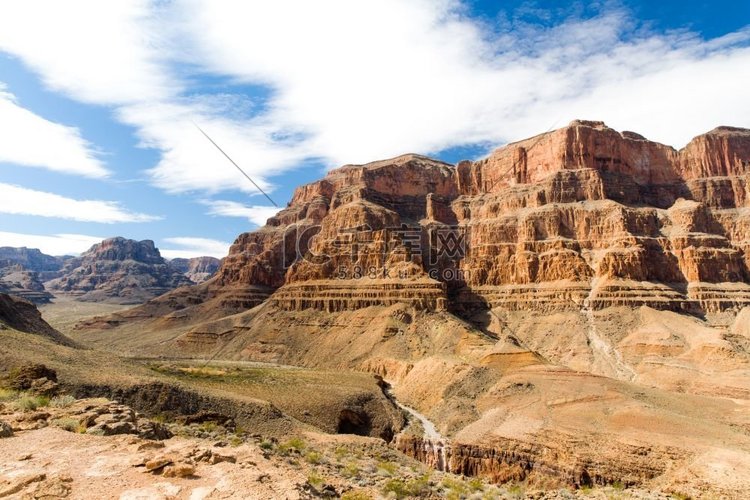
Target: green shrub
[
  {"x": 476, "y": 484},
  {"x": 31, "y": 403},
  {"x": 341, "y": 453},
  {"x": 7, "y": 395},
  {"x": 351, "y": 470},
  {"x": 397, "y": 487},
  {"x": 389, "y": 468},
  {"x": 208, "y": 426},
  {"x": 266, "y": 445},
  {"x": 315, "y": 480},
  {"x": 314, "y": 458},
  {"x": 455, "y": 488},
  {"x": 403, "y": 489},
  {"x": 69, "y": 424},
  {"x": 294, "y": 444},
  {"x": 356, "y": 495}
]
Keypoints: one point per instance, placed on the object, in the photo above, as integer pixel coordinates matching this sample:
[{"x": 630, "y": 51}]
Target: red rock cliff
[{"x": 583, "y": 212}]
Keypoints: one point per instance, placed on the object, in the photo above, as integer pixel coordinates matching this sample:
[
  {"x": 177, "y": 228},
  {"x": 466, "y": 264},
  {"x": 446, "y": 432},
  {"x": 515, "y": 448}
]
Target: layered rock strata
[
  {"x": 119, "y": 270},
  {"x": 583, "y": 212}
]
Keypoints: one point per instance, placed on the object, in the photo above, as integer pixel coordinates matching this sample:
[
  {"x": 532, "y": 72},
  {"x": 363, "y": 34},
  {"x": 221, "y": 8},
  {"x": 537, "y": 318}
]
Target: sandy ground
[{"x": 91, "y": 467}]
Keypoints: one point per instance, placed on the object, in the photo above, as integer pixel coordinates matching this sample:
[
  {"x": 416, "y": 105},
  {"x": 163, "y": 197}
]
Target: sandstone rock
[
  {"x": 179, "y": 470},
  {"x": 217, "y": 458},
  {"x": 155, "y": 431},
  {"x": 16, "y": 484},
  {"x": 44, "y": 387},
  {"x": 26, "y": 376},
  {"x": 119, "y": 270},
  {"x": 158, "y": 463}
]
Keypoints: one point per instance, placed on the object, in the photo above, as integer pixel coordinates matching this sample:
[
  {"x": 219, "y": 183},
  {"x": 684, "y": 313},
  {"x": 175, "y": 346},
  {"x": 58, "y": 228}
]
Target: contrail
[{"x": 235, "y": 164}]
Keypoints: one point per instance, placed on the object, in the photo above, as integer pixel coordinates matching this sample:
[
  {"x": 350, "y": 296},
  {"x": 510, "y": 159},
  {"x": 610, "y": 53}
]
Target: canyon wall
[{"x": 583, "y": 213}]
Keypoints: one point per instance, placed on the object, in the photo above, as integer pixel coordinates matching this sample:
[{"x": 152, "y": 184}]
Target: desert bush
[
  {"x": 411, "y": 488},
  {"x": 397, "y": 487},
  {"x": 387, "y": 468},
  {"x": 31, "y": 403},
  {"x": 294, "y": 444},
  {"x": 351, "y": 470},
  {"x": 62, "y": 401},
  {"x": 476, "y": 484},
  {"x": 69, "y": 424},
  {"x": 314, "y": 457},
  {"x": 7, "y": 395},
  {"x": 516, "y": 491},
  {"x": 356, "y": 495},
  {"x": 266, "y": 445},
  {"x": 315, "y": 480}
]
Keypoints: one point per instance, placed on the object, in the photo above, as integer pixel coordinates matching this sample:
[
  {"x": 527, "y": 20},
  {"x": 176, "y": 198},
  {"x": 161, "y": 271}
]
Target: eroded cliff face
[
  {"x": 583, "y": 212},
  {"x": 119, "y": 270}
]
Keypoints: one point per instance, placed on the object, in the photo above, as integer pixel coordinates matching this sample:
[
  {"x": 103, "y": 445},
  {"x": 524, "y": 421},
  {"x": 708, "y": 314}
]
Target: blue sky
[{"x": 98, "y": 100}]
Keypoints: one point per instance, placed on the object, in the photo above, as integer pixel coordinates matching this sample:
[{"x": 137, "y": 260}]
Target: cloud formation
[
  {"x": 257, "y": 214},
  {"x": 18, "y": 200},
  {"x": 57, "y": 244},
  {"x": 344, "y": 82},
  {"x": 30, "y": 140},
  {"x": 194, "y": 247}
]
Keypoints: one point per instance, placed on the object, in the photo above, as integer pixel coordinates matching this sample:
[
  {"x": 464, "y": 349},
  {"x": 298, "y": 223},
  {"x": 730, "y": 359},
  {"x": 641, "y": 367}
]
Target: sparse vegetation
[
  {"x": 455, "y": 488},
  {"x": 70, "y": 425},
  {"x": 351, "y": 470},
  {"x": 516, "y": 491},
  {"x": 7, "y": 395},
  {"x": 62, "y": 401},
  {"x": 314, "y": 458},
  {"x": 387, "y": 468},
  {"x": 356, "y": 495},
  {"x": 406, "y": 488},
  {"x": 31, "y": 403},
  {"x": 294, "y": 445},
  {"x": 315, "y": 480}
]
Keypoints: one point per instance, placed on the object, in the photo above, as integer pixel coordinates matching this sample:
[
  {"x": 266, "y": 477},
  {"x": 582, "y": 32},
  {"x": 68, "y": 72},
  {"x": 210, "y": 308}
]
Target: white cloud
[
  {"x": 96, "y": 52},
  {"x": 195, "y": 247},
  {"x": 257, "y": 214},
  {"x": 30, "y": 140},
  {"x": 17, "y": 200},
  {"x": 371, "y": 82},
  {"x": 58, "y": 244},
  {"x": 351, "y": 83}
]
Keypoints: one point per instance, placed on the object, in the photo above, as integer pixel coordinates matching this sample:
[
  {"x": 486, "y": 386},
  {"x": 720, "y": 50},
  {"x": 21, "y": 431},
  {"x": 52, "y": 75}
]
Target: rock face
[
  {"x": 23, "y": 316},
  {"x": 583, "y": 212},
  {"x": 197, "y": 269},
  {"x": 30, "y": 259},
  {"x": 119, "y": 270},
  {"x": 23, "y": 272},
  {"x": 15, "y": 280}
]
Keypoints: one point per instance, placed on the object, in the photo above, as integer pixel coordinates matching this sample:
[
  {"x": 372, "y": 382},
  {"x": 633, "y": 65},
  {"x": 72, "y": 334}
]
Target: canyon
[{"x": 571, "y": 310}]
